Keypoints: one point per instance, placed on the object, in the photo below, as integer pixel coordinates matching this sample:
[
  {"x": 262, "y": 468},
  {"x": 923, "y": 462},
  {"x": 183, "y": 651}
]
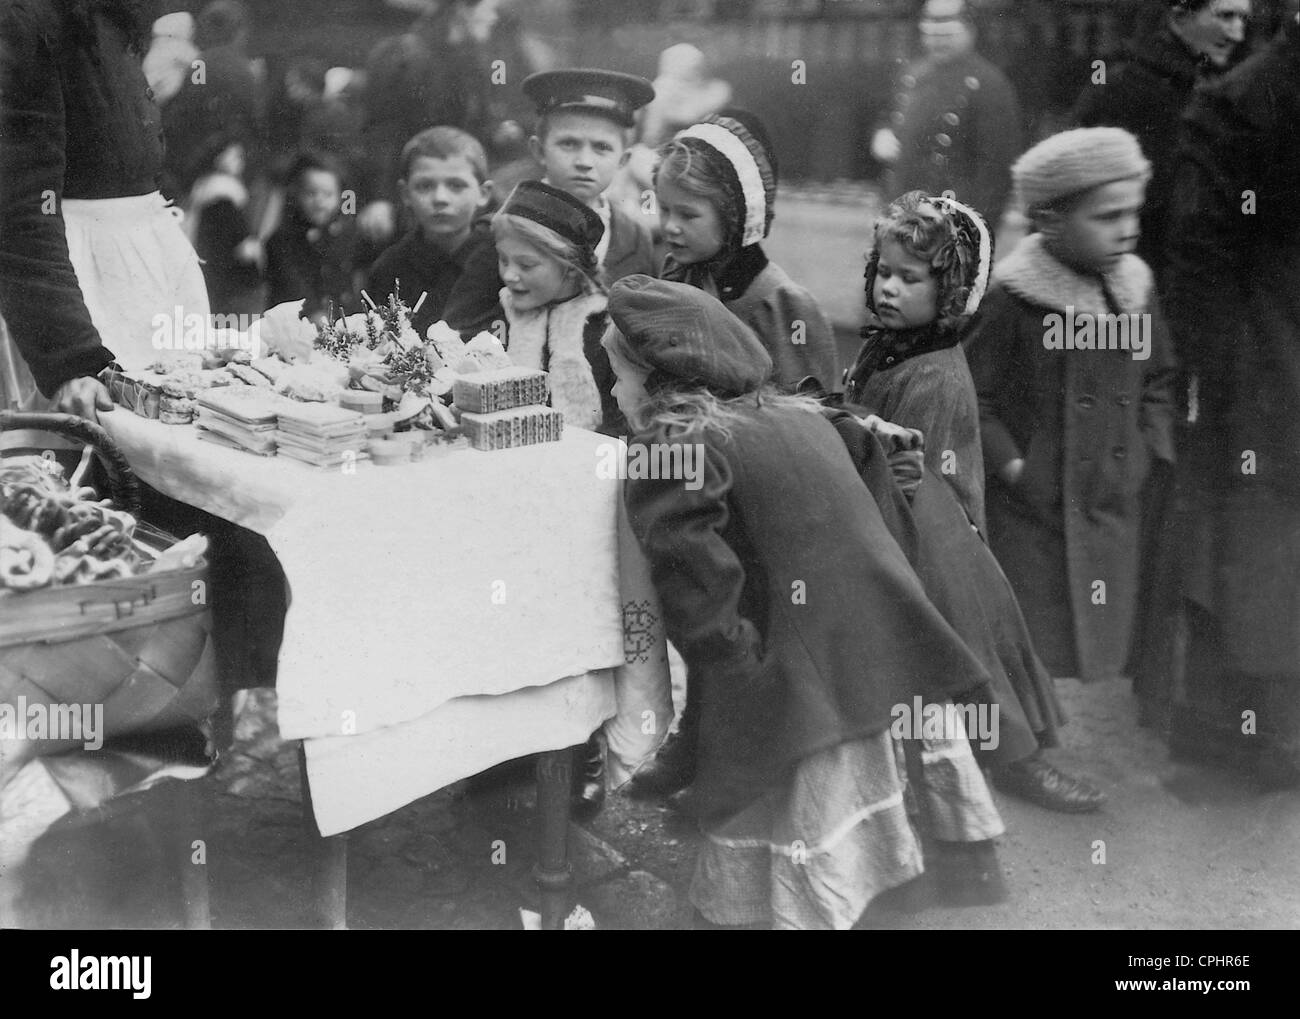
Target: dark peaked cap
[
  {"x": 589, "y": 90},
  {"x": 556, "y": 210}
]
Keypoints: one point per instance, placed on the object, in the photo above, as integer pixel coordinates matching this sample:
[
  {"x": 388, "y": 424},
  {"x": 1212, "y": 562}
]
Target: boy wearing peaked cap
[{"x": 584, "y": 118}]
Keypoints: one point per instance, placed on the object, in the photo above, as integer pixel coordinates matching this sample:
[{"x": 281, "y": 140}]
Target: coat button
[
  {"x": 943, "y": 139},
  {"x": 1119, "y": 452},
  {"x": 951, "y": 119},
  {"x": 1123, "y": 399},
  {"x": 1085, "y": 402},
  {"x": 909, "y": 81},
  {"x": 972, "y": 83},
  {"x": 897, "y": 118}
]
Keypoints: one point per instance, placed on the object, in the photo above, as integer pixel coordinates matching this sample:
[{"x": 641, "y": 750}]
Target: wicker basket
[{"x": 141, "y": 646}]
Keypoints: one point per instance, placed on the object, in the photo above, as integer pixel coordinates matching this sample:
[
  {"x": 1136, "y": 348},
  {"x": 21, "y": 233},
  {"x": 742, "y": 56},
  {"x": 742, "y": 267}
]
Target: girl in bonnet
[{"x": 800, "y": 620}]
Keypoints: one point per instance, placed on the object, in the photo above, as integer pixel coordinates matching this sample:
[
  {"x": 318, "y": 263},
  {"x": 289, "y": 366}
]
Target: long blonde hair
[
  {"x": 697, "y": 409},
  {"x": 552, "y": 245}
]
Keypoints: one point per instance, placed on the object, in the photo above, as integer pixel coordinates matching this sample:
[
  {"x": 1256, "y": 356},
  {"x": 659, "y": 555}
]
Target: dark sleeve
[
  {"x": 997, "y": 144},
  {"x": 773, "y": 320},
  {"x": 289, "y": 276},
  {"x": 475, "y": 302},
  {"x": 1002, "y": 379},
  {"x": 381, "y": 279},
  {"x": 1094, "y": 108},
  {"x": 698, "y": 576},
  {"x": 1159, "y": 392},
  {"x": 1209, "y": 237},
  {"x": 872, "y": 462},
  {"x": 645, "y": 251},
  {"x": 612, "y": 421},
  {"x": 39, "y": 295}
]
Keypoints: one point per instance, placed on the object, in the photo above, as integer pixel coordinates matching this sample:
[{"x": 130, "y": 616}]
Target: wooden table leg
[
  {"x": 190, "y": 860},
  {"x": 329, "y": 862},
  {"x": 553, "y": 873}
]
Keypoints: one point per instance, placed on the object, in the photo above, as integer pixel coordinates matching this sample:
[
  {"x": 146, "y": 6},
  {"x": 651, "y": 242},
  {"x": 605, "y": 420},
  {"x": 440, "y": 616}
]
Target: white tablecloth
[{"x": 446, "y": 616}]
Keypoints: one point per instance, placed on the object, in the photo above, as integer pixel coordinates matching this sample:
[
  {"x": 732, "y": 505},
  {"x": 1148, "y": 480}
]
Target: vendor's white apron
[{"x": 133, "y": 262}]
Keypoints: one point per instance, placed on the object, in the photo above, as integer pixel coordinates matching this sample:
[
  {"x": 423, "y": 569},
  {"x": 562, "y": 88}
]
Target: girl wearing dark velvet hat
[
  {"x": 801, "y": 623},
  {"x": 554, "y": 305}
]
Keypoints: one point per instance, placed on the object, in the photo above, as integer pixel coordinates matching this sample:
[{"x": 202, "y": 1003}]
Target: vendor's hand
[
  {"x": 907, "y": 467},
  {"x": 885, "y": 146},
  {"x": 251, "y": 251},
  {"x": 377, "y": 222},
  {"x": 1012, "y": 470},
  {"x": 84, "y": 397}
]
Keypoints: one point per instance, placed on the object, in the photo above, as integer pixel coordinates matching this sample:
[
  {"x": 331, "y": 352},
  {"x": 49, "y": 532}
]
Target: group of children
[{"x": 967, "y": 470}]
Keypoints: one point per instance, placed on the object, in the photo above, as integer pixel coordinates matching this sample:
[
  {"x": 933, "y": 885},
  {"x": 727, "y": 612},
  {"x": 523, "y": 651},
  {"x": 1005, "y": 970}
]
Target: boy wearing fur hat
[
  {"x": 1074, "y": 376},
  {"x": 585, "y": 117}
]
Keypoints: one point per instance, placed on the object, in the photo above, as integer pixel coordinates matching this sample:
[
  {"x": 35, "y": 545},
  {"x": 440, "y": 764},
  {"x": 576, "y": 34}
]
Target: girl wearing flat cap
[{"x": 800, "y": 620}]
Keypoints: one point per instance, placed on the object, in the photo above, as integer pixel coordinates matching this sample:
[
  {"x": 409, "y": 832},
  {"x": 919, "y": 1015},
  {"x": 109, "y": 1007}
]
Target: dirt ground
[{"x": 1185, "y": 847}]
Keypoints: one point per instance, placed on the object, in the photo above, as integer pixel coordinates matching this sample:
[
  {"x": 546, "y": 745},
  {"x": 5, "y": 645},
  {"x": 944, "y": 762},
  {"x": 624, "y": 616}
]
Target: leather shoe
[
  {"x": 1035, "y": 779},
  {"x": 589, "y": 779}
]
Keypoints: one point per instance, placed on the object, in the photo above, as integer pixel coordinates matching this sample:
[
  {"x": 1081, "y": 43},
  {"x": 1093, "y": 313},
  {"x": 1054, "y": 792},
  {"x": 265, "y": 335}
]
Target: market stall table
[{"x": 447, "y": 615}]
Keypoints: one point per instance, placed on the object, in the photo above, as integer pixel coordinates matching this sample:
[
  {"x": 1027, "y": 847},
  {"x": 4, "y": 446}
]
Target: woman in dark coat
[
  {"x": 1235, "y": 310},
  {"x": 1147, "y": 93},
  {"x": 798, "y": 615}
]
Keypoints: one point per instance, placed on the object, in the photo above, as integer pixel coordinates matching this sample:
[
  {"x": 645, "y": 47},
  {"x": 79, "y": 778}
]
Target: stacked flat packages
[{"x": 505, "y": 407}]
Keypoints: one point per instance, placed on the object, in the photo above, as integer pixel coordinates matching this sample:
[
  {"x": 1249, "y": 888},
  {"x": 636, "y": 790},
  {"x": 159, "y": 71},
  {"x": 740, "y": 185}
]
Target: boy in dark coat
[
  {"x": 1074, "y": 376},
  {"x": 581, "y": 141},
  {"x": 310, "y": 257},
  {"x": 444, "y": 186}
]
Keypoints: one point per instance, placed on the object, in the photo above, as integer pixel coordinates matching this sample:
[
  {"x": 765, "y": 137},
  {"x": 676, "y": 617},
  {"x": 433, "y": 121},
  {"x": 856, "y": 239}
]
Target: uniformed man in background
[{"x": 955, "y": 123}]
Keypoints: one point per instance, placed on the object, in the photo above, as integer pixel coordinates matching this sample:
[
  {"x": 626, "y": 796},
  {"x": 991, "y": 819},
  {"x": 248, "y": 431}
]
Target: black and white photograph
[{"x": 651, "y": 465}]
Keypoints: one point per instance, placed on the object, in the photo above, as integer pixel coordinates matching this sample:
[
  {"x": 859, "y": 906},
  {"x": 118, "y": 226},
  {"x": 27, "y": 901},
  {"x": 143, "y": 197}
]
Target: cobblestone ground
[{"x": 1184, "y": 847}]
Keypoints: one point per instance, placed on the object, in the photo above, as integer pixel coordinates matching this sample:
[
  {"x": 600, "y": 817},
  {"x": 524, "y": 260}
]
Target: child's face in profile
[
  {"x": 629, "y": 390},
  {"x": 581, "y": 153},
  {"x": 318, "y": 196},
  {"x": 1099, "y": 228},
  {"x": 534, "y": 278},
  {"x": 905, "y": 292},
  {"x": 691, "y": 224},
  {"x": 443, "y": 195}
]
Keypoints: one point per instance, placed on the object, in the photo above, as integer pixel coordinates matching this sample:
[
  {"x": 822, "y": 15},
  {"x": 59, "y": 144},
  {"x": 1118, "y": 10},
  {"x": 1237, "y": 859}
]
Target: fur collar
[
  {"x": 1033, "y": 274},
  {"x": 551, "y": 339}
]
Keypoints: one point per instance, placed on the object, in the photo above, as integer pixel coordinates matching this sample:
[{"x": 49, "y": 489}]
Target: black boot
[
  {"x": 673, "y": 768},
  {"x": 1035, "y": 779},
  {"x": 589, "y": 778}
]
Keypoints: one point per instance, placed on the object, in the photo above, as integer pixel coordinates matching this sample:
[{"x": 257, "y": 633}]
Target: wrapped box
[
  {"x": 500, "y": 389},
  {"x": 519, "y": 426},
  {"x": 139, "y": 392}
]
